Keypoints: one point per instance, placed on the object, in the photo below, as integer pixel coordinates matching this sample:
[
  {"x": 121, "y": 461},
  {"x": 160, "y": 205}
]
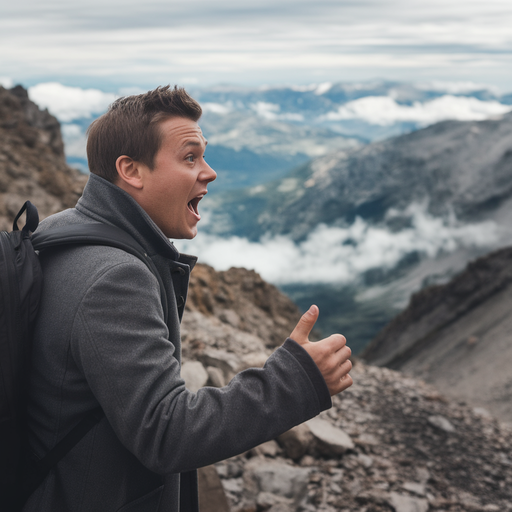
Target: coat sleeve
[{"x": 119, "y": 342}]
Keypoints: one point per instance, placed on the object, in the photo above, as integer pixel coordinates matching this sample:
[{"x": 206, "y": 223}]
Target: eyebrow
[{"x": 194, "y": 143}]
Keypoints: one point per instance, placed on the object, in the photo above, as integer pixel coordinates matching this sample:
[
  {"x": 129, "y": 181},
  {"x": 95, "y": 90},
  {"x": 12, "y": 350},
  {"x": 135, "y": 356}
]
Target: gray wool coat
[{"x": 101, "y": 339}]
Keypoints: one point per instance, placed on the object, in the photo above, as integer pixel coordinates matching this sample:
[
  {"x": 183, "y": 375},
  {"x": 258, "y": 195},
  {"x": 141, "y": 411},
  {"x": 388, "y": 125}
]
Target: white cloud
[
  {"x": 6, "y": 82},
  {"x": 75, "y": 140},
  {"x": 456, "y": 87},
  {"x": 68, "y": 103},
  {"x": 217, "y": 108},
  {"x": 385, "y": 111},
  {"x": 265, "y": 42},
  {"x": 341, "y": 255},
  {"x": 323, "y": 88},
  {"x": 266, "y": 110},
  {"x": 270, "y": 112}
]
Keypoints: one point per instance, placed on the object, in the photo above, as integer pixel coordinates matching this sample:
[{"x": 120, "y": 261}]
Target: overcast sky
[{"x": 112, "y": 44}]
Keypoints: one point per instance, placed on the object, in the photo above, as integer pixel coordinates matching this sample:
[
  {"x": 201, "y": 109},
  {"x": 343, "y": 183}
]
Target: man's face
[{"x": 172, "y": 190}]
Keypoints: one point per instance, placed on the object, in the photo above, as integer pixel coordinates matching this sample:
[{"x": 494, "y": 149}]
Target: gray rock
[
  {"x": 415, "y": 488},
  {"x": 277, "y": 478},
  {"x": 402, "y": 503},
  {"x": 442, "y": 423},
  {"x": 215, "y": 377},
  {"x": 267, "y": 500},
  {"x": 330, "y": 438},
  {"x": 296, "y": 441},
  {"x": 228, "y": 316},
  {"x": 194, "y": 375},
  {"x": 254, "y": 360},
  {"x": 225, "y": 361}
]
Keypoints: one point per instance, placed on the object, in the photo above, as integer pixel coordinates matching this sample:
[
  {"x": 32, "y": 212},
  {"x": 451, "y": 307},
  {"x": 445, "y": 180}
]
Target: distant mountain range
[
  {"x": 453, "y": 167},
  {"x": 257, "y": 134},
  {"x": 373, "y": 224}
]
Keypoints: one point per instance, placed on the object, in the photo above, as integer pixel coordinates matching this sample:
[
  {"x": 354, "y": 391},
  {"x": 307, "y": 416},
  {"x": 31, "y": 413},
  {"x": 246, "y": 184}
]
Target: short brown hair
[{"x": 131, "y": 127}]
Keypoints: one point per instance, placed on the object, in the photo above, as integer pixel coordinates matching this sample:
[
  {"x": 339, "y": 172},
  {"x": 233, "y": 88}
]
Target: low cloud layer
[
  {"x": 385, "y": 111},
  {"x": 341, "y": 255}
]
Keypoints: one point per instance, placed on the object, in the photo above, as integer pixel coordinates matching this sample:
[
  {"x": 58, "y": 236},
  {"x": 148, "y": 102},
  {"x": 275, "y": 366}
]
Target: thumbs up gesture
[{"x": 331, "y": 354}]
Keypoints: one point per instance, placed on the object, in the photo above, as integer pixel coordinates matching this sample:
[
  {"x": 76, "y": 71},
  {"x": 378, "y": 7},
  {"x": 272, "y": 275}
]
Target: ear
[{"x": 130, "y": 173}]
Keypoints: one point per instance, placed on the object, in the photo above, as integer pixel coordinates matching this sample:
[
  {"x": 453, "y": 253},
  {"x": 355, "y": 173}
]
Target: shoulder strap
[{"x": 98, "y": 234}]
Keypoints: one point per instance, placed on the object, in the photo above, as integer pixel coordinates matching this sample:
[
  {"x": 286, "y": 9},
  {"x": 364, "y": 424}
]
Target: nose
[{"x": 208, "y": 174}]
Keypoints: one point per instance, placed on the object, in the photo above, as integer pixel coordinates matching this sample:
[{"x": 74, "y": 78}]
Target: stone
[
  {"x": 277, "y": 478},
  {"x": 215, "y": 377},
  {"x": 269, "y": 449},
  {"x": 441, "y": 423},
  {"x": 267, "y": 500},
  {"x": 402, "y": 503},
  {"x": 366, "y": 460},
  {"x": 415, "y": 488},
  {"x": 253, "y": 360},
  {"x": 225, "y": 361},
  {"x": 330, "y": 439},
  {"x": 228, "y": 316},
  {"x": 296, "y": 441},
  {"x": 194, "y": 375},
  {"x": 212, "y": 497}
]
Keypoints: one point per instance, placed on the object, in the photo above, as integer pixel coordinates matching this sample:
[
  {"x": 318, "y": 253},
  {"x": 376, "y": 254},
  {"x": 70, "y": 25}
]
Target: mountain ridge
[{"x": 457, "y": 335}]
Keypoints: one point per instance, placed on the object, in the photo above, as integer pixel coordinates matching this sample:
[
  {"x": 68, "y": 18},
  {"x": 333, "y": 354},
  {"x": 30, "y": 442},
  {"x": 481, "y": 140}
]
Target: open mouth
[{"x": 193, "y": 204}]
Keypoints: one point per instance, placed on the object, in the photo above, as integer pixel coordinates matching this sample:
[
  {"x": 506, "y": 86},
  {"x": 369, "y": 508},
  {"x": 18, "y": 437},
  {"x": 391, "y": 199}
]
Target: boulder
[
  {"x": 330, "y": 439},
  {"x": 296, "y": 441},
  {"x": 212, "y": 497},
  {"x": 194, "y": 375}
]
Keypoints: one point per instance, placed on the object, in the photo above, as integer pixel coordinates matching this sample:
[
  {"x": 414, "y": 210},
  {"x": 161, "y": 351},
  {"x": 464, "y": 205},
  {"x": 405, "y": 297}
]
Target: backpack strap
[
  {"x": 98, "y": 234},
  {"x": 38, "y": 470}
]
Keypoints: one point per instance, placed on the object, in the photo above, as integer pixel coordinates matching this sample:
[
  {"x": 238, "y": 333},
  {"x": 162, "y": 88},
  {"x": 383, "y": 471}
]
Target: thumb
[{"x": 305, "y": 324}]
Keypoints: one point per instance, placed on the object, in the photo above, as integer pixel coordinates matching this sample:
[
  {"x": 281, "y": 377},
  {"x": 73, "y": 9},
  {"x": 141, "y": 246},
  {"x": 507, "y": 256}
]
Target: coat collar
[{"x": 106, "y": 202}]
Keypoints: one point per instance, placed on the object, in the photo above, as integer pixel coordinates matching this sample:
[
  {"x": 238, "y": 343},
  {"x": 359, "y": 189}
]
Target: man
[{"x": 102, "y": 337}]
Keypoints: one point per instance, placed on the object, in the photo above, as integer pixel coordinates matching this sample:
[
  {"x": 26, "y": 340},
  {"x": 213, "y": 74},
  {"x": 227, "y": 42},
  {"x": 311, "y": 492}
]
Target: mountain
[
  {"x": 257, "y": 134},
  {"x": 458, "y": 335},
  {"x": 32, "y": 161},
  {"x": 459, "y": 167},
  {"x": 362, "y": 229}
]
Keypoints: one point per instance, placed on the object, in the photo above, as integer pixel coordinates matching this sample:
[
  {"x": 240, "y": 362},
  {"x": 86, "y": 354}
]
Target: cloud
[
  {"x": 280, "y": 41},
  {"x": 341, "y": 255},
  {"x": 466, "y": 87},
  {"x": 216, "y": 108},
  {"x": 69, "y": 103},
  {"x": 385, "y": 111},
  {"x": 6, "y": 82},
  {"x": 75, "y": 140},
  {"x": 270, "y": 112}
]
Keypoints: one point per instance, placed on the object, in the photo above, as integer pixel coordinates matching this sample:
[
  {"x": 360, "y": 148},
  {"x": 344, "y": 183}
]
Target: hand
[{"x": 331, "y": 354}]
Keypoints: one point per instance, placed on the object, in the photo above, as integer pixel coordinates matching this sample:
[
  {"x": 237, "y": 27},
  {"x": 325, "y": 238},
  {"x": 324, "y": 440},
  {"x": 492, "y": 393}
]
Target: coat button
[{"x": 180, "y": 301}]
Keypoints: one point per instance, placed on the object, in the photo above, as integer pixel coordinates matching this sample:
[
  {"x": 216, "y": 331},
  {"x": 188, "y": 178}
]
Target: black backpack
[{"x": 20, "y": 286}]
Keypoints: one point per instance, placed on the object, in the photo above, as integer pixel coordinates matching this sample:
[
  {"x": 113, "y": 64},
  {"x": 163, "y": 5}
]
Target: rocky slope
[
  {"x": 389, "y": 443},
  {"x": 460, "y": 167},
  {"x": 32, "y": 163},
  {"x": 458, "y": 336}
]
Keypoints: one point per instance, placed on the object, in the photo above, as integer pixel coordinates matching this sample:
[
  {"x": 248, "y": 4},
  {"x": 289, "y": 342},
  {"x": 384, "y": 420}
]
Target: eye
[{"x": 190, "y": 158}]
